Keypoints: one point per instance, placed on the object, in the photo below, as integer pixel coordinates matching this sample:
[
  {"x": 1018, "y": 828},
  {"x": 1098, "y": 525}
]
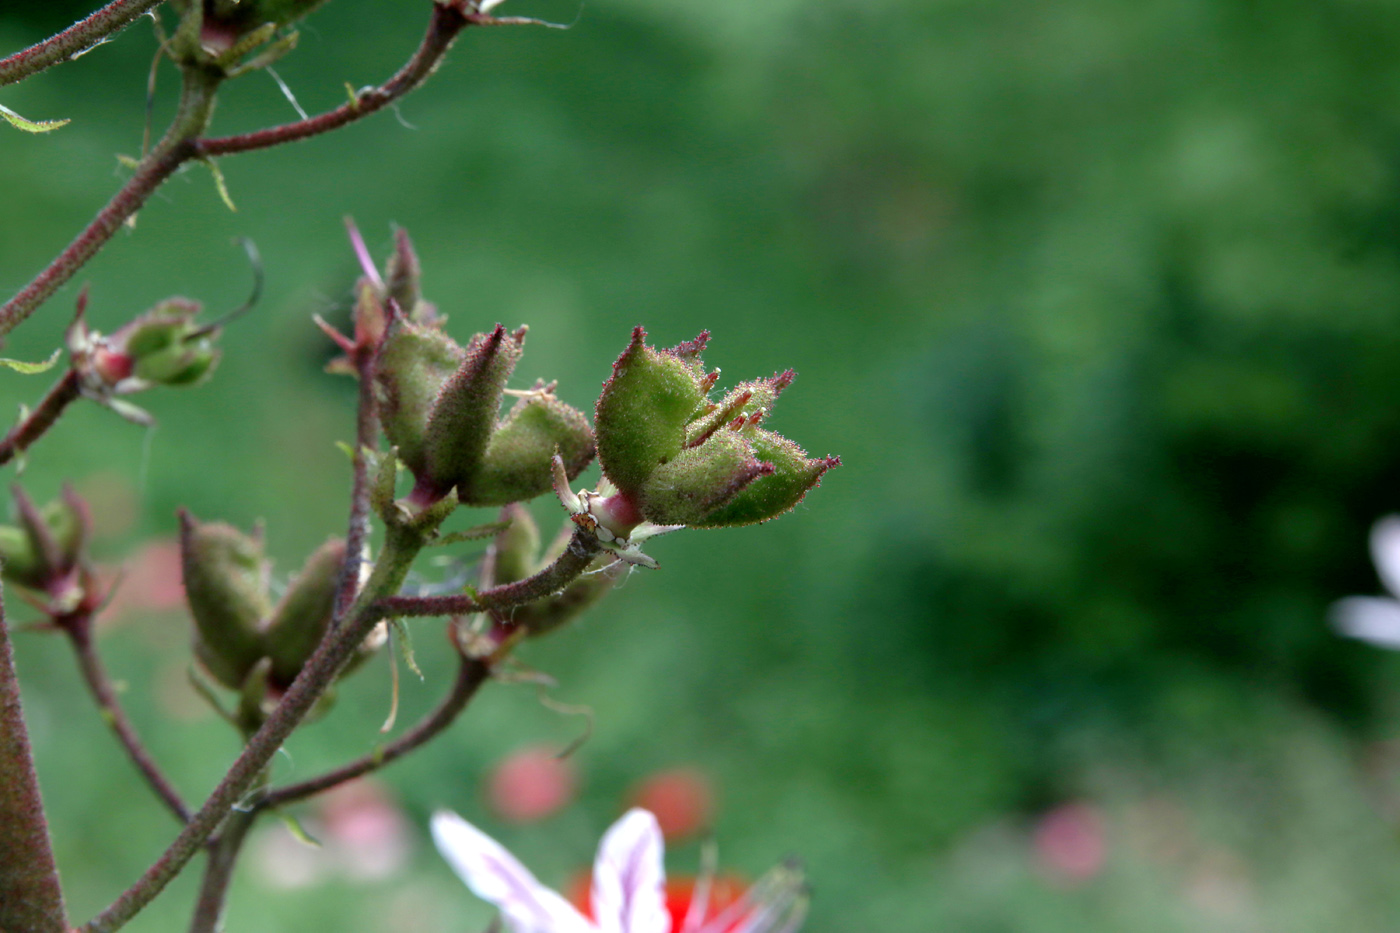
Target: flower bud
[
  {"x": 700, "y": 480},
  {"x": 645, "y": 406},
  {"x": 301, "y": 618},
  {"x": 414, "y": 364},
  {"x": 775, "y": 491},
  {"x": 226, "y": 582},
  {"x": 516, "y": 464},
  {"x": 464, "y": 414},
  {"x": 46, "y": 551},
  {"x": 403, "y": 275}
]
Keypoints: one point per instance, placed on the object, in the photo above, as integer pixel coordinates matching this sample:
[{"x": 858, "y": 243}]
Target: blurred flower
[
  {"x": 530, "y": 784},
  {"x": 681, "y": 799},
  {"x": 1371, "y": 618},
  {"x": 1069, "y": 843},
  {"x": 629, "y": 886},
  {"x": 148, "y": 582}
]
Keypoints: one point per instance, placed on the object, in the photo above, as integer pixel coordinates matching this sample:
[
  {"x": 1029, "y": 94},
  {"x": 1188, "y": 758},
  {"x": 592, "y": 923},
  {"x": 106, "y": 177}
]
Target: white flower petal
[
  {"x": 496, "y": 876},
  {"x": 629, "y": 879},
  {"x": 1385, "y": 551},
  {"x": 1368, "y": 618}
]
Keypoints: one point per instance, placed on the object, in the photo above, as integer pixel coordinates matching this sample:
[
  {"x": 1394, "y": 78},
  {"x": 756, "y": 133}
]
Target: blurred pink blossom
[
  {"x": 1070, "y": 844},
  {"x": 530, "y": 784}
]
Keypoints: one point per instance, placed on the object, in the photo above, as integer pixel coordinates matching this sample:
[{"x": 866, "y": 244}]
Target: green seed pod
[
  {"x": 517, "y": 462},
  {"x": 744, "y": 400},
  {"x": 166, "y": 347},
  {"x": 22, "y": 564},
  {"x": 414, "y": 364},
  {"x": 464, "y": 415},
  {"x": 645, "y": 406},
  {"x": 515, "y": 549},
  {"x": 700, "y": 480},
  {"x": 301, "y": 618},
  {"x": 770, "y": 495},
  {"x": 226, "y": 588}
]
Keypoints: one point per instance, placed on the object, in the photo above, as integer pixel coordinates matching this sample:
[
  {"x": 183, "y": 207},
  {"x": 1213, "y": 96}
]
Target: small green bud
[
  {"x": 226, "y": 582},
  {"x": 45, "y": 547},
  {"x": 645, "y": 406},
  {"x": 22, "y": 564},
  {"x": 464, "y": 415},
  {"x": 700, "y": 480},
  {"x": 516, "y": 465},
  {"x": 778, "y": 489},
  {"x": 301, "y": 618},
  {"x": 414, "y": 364}
]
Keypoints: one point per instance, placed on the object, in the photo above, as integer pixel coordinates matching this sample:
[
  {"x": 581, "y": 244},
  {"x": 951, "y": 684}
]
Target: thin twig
[
  {"x": 43, "y": 417},
  {"x": 582, "y": 548},
  {"x": 30, "y": 897},
  {"x": 79, "y": 632},
  {"x": 447, "y": 22},
  {"x": 73, "y": 41}
]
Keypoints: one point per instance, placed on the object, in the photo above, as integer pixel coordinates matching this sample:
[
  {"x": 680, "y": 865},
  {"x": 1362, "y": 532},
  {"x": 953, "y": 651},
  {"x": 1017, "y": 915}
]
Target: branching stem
[{"x": 471, "y": 674}]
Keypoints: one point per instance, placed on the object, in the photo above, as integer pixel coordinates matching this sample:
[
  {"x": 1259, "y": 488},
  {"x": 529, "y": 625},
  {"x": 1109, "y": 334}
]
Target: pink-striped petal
[
  {"x": 496, "y": 876},
  {"x": 629, "y": 879}
]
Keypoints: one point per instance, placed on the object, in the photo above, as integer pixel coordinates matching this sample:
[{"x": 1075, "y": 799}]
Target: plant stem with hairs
[
  {"x": 30, "y": 897},
  {"x": 73, "y": 41}
]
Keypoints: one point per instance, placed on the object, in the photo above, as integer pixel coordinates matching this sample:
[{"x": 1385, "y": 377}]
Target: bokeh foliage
[{"x": 1097, "y": 301}]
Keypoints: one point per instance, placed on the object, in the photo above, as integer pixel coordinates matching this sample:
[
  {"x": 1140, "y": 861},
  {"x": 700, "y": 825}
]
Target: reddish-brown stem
[
  {"x": 447, "y": 22},
  {"x": 471, "y": 674},
  {"x": 79, "y": 631},
  {"x": 196, "y": 105},
  {"x": 366, "y": 435},
  {"x": 218, "y": 872},
  {"x": 581, "y": 550},
  {"x": 76, "y": 39},
  {"x": 30, "y": 897},
  {"x": 33, "y": 425}
]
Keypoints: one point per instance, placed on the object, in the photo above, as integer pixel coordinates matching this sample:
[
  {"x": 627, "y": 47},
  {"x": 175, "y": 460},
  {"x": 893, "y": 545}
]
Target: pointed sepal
[{"x": 645, "y": 406}]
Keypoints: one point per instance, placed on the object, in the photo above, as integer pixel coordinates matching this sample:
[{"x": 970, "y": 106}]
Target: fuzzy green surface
[
  {"x": 304, "y": 611},
  {"x": 465, "y": 413},
  {"x": 642, "y": 413},
  {"x": 699, "y": 480},
  {"x": 21, "y": 562},
  {"x": 767, "y": 496},
  {"x": 226, "y": 576},
  {"x": 414, "y": 364},
  {"x": 516, "y": 465}
]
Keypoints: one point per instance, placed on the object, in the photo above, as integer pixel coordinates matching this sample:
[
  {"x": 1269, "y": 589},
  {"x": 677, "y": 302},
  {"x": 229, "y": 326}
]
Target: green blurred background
[{"x": 1097, "y": 301}]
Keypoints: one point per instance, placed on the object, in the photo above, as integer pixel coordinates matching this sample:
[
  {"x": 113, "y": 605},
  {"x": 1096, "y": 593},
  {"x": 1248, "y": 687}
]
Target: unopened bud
[
  {"x": 517, "y": 464},
  {"x": 226, "y": 582},
  {"x": 645, "y": 406},
  {"x": 777, "y": 490},
  {"x": 301, "y": 618}
]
